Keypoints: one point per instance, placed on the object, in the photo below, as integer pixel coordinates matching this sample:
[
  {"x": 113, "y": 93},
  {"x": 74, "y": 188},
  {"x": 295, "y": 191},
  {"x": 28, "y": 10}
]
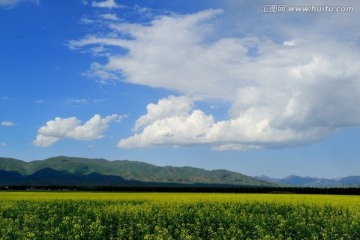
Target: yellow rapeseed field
[{"x": 100, "y": 215}]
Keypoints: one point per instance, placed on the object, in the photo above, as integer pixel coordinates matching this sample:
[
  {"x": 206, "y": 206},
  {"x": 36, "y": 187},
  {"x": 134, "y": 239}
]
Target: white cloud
[
  {"x": 3, "y": 144},
  {"x": 105, "y": 4},
  {"x": 102, "y": 75},
  {"x": 86, "y": 20},
  {"x": 9, "y": 3},
  {"x": 83, "y": 101},
  {"x": 175, "y": 42},
  {"x": 184, "y": 126},
  {"x": 13, "y": 3},
  {"x": 77, "y": 101},
  {"x": 170, "y": 122},
  {"x": 169, "y": 107},
  {"x": 110, "y": 16},
  {"x": 60, "y": 128},
  {"x": 236, "y": 147},
  {"x": 7, "y": 124},
  {"x": 282, "y": 93}
]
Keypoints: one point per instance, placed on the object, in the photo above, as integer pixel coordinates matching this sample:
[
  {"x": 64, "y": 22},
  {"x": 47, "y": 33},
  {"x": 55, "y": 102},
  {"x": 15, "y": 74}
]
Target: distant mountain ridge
[
  {"x": 293, "y": 180},
  {"x": 100, "y": 172}
]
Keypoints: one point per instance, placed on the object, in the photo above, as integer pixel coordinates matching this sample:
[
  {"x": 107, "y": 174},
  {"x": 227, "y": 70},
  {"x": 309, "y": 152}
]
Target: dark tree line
[{"x": 192, "y": 188}]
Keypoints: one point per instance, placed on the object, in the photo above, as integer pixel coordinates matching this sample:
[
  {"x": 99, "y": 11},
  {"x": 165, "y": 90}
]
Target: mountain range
[
  {"x": 296, "y": 181},
  {"x": 71, "y": 171}
]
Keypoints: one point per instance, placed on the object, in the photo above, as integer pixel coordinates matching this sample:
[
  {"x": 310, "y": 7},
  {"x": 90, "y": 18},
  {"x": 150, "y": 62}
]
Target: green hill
[{"x": 126, "y": 170}]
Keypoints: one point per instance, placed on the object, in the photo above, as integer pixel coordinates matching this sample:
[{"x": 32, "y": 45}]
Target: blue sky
[{"x": 211, "y": 84}]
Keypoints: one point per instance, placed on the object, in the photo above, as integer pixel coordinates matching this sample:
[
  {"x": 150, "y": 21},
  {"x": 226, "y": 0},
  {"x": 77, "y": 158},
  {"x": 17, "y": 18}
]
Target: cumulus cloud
[
  {"x": 7, "y": 124},
  {"x": 105, "y": 4},
  {"x": 169, "y": 107},
  {"x": 282, "y": 93},
  {"x": 171, "y": 121},
  {"x": 185, "y": 125},
  {"x": 59, "y": 128}
]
